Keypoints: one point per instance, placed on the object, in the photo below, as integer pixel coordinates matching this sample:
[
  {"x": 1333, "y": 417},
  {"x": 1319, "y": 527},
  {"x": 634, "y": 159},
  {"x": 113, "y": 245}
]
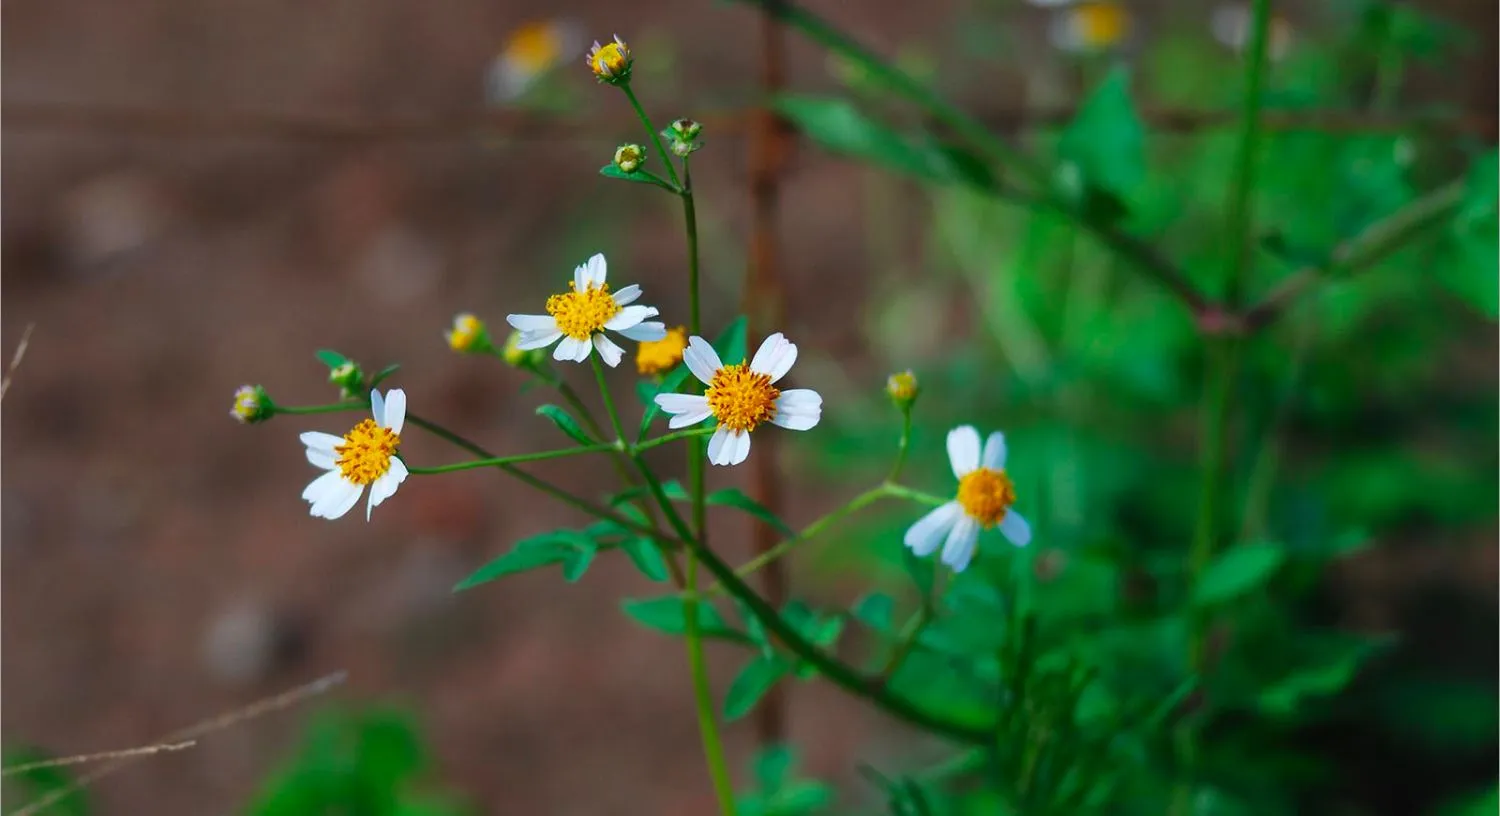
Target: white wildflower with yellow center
[
  {"x": 741, "y": 397},
  {"x": 985, "y": 496},
  {"x": 531, "y": 51},
  {"x": 579, "y": 317},
  {"x": 366, "y": 455},
  {"x": 1090, "y": 27}
]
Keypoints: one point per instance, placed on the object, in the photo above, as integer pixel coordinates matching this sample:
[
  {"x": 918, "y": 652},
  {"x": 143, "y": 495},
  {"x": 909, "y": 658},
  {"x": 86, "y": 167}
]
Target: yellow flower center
[
  {"x": 902, "y": 387},
  {"x": 580, "y": 314},
  {"x": 659, "y": 356},
  {"x": 366, "y": 452},
  {"x": 986, "y": 495},
  {"x": 610, "y": 60},
  {"x": 740, "y": 398}
]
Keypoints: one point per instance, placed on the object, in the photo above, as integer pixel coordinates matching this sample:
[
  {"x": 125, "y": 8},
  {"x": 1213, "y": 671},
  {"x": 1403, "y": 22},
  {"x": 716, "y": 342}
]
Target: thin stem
[
  {"x": 696, "y": 452},
  {"x": 321, "y": 409},
  {"x": 671, "y": 437},
  {"x": 609, "y": 403},
  {"x": 516, "y": 459},
  {"x": 901, "y": 446},
  {"x": 1242, "y": 186},
  {"x": 661, "y": 150}
]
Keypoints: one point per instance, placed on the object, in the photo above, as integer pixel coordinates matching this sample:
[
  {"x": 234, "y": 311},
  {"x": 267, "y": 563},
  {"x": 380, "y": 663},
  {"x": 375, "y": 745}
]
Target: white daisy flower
[
  {"x": 579, "y": 317},
  {"x": 741, "y": 397},
  {"x": 366, "y": 455},
  {"x": 985, "y": 496}
]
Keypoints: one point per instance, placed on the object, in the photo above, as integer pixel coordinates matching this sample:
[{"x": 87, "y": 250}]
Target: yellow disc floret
[
  {"x": 366, "y": 452},
  {"x": 986, "y": 495},
  {"x": 740, "y": 398},
  {"x": 659, "y": 356},
  {"x": 580, "y": 315}
]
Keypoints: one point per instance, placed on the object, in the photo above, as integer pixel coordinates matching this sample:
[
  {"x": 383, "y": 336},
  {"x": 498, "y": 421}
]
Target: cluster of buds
[{"x": 682, "y": 137}]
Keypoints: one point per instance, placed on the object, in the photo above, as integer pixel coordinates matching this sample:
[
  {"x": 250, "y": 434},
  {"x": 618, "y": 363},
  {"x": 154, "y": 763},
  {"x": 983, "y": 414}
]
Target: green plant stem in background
[
  {"x": 1240, "y": 218},
  {"x": 901, "y": 446},
  {"x": 331, "y": 408},
  {"x": 661, "y": 150},
  {"x": 473, "y": 464}
]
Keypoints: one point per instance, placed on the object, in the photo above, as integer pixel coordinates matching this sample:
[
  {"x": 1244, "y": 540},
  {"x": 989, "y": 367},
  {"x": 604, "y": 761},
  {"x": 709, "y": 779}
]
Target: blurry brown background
[{"x": 159, "y": 566}]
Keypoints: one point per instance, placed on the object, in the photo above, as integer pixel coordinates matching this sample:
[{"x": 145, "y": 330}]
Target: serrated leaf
[
  {"x": 331, "y": 358},
  {"x": 736, "y": 498},
  {"x": 647, "y": 558},
  {"x": 566, "y": 423},
  {"x": 1238, "y": 571},
  {"x": 752, "y": 683},
  {"x": 665, "y": 615}
]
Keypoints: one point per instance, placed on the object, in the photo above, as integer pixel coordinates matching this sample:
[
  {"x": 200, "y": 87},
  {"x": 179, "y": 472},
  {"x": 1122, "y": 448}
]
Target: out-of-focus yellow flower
[
  {"x": 467, "y": 335},
  {"x": 655, "y": 357},
  {"x": 611, "y": 62},
  {"x": 1091, "y": 27},
  {"x": 530, "y": 52}
]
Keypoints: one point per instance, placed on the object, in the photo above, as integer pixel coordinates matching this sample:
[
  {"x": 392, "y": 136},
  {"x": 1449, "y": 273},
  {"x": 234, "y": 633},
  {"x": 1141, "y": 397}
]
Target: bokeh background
[{"x": 199, "y": 195}]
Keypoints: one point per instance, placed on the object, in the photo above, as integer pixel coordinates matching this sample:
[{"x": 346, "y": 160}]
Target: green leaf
[
  {"x": 736, "y": 498},
  {"x": 646, "y": 557},
  {"x": 577, "y": 562},
  {"x": 331, "y": 358},
  {"x": 384, "y": 372},
  {"x": 669, "y": 384},
  {"x": 773, "y": 766},
  {"x": 875, "y": 610},
  {"x": 730, "y": 344},
  {"x": 1238, "y": 571},
  {"x": 639, "y": 176},
  {"x": 556, "y": 547},
  {"x": 1106, "y": 139},
  {"x": 666, "y": 615},
  {"x": 1328, "y": 673},
  {"x": 565, "y": 423},
  {"x": 752, "y": 683}
]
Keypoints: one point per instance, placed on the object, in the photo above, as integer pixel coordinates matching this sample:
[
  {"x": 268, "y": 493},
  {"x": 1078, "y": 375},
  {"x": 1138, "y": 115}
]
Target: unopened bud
[
  {"x": 251, "y": 404},
  {"x": 629, "y": 157},
  {"x": 902, "y": 388}
]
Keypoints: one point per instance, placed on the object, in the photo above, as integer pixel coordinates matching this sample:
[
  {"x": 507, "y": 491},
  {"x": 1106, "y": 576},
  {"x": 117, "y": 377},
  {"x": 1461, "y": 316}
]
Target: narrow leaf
[
  {"x": 730, "y": 343},
  {"x": 565, "y": 423},
  {"x": 646, "y": 557},
  {"x": 528, "y": 554},
  {"x": 331, "y": 358},
  {"x": 1238, "y": 571},
  {"x": 736, "y": 498},
  {"x": 577, "y": 562},
  {"x": 752, "y": 683},
  {"x": 666, "y": 615},
  {"x": 384, "y": 373}
]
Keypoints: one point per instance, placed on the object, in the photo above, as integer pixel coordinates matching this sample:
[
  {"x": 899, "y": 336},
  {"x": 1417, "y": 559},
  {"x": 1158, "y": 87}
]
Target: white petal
[
  {"x": 924, "y": 537},
  {"x": 581, "y": 276},
  {"x": 568, "y": 349},
  {"x": 385, "y": 487},
  {"x": 598, "y": 270},
  {"x": 321, "y": 485},
  {"x": 775, "y": 357},
  {"x": 536, "y": 340},
  {"x": 994, "y": 451},
  {"x": 1015, "y": 528},
  {"x": 682, "y": 403},
  {"x": 716, "y": 445},
  {"x": 532, "y": 323},
  {"x": 628, "y": 294},
  {"x": 629, "y": 316},
  {"x": 644, "y": 331},
  {"x": 322, "y": 459},
  {"x": 317, "y": 440},
  {"x": 738, "y": 447},
  {"x": 377, "y": 407},
  {"x": 800, "y": 400},
  {"x": 689, "y": 418},
  {"x": 701, "y": 359},
  {"x": 582, "y": 352},
  {"x": 338, "y": 501},
  {"x": 608, "y": 351},
  {"x": 959, "y": 548},
  {"x": 395, "y": 410},
  {"x": 963, "y": 450}
]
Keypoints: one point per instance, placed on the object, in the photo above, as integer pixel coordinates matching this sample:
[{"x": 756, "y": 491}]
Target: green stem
[
  {"x": 902, "y": 492},
  {"x": 609, "y": 403},
  {"x": 1242, "y": 185},
  {"x": 511, "y": 460},
  {"x": 661, "y": 150},
  {"x": 810, "y": 531},
  {"x": 901, "y": 446},
  {"x": 671, "y": 437},
  {"x": 321, "y": 409}
]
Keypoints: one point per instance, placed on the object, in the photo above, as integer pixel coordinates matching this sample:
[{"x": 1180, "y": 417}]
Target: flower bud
[
  {"x": 252, "y": 404},
  {"x": 686, "y": 129},
  {"x": 654, "y": 358},
  {"x": 629, "y": 157},
  {"x": 902, "y": 388},
  {"x": 349, "y": 378},
  {"x": 524, "y": 359},
  {"x": 611, "y": 62}
]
